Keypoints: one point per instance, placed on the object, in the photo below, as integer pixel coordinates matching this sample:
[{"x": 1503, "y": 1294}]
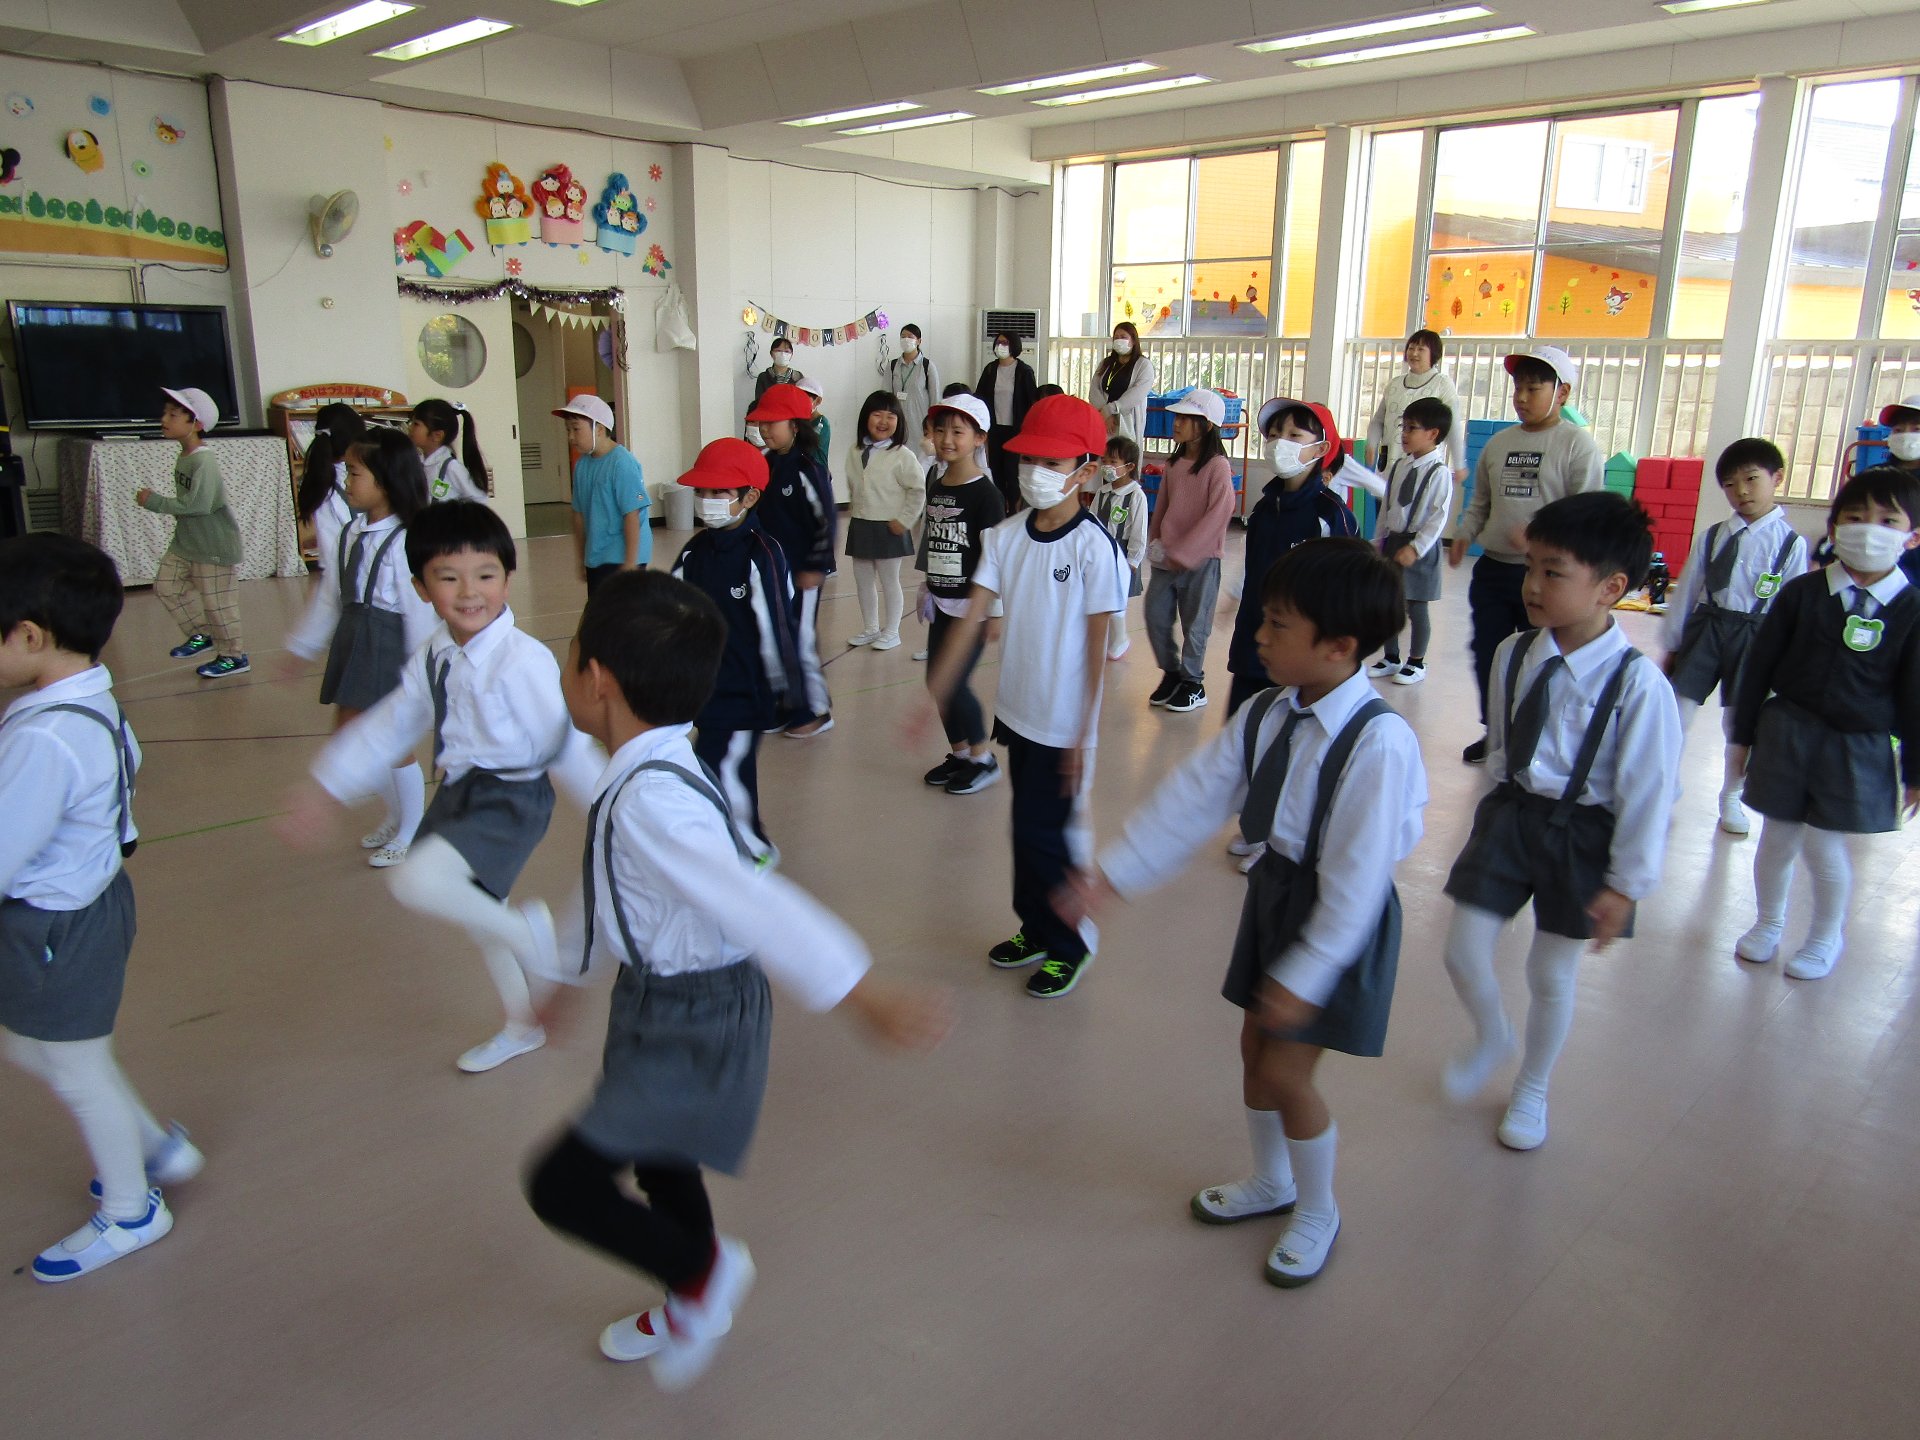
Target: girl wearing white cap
[
  {"x": 610, "y": 501},
  {"x": 1187, "y": 538}
]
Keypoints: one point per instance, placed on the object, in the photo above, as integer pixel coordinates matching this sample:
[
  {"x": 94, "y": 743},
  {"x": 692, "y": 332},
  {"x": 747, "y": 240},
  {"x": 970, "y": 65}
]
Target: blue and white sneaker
[
  {"x": 222, "y": 667},
  {"x": 174, "y": 1162},
  {"x": 101, "y": 1242},
  {"x": 191, "y": 646}
]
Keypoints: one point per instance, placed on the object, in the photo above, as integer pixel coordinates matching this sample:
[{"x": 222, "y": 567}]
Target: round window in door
[{"x": 452, "y": 350}]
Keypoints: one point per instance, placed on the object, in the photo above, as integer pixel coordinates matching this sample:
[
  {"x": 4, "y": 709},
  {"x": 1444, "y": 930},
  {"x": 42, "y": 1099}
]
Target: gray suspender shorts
[{"x": 369, "y": 644}]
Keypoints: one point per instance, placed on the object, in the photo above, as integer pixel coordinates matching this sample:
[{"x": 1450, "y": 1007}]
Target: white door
[{"x": 471, "y": 349}]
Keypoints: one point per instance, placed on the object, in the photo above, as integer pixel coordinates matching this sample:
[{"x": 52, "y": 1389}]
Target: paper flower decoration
[
  {"x": 514, "y": 266},
  {"x": 654, "y": 172},
  {"x": 619, "y": 219},
  {"x": 505, "y": 206},
  {"x": 880, "y": 321},
  {"x": 561, "y": 202},
  {"x": 652, "y": 204},
  {"x": 656, "y": 263}
]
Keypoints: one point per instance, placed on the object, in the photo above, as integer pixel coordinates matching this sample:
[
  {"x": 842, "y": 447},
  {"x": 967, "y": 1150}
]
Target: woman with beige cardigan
[{"x": 887, "y": 490}]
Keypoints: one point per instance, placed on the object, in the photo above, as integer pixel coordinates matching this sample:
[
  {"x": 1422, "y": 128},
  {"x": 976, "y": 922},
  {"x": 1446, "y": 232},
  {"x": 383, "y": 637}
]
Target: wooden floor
[{"x": 1721, "y": 1238}]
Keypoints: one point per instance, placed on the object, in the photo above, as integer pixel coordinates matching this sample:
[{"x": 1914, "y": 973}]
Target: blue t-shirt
[{"x": 606, "y": 489}]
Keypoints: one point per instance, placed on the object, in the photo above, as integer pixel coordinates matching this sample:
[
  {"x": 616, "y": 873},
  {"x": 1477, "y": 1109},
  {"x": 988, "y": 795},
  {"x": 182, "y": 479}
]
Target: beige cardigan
[{"x": 890, "y": 486}]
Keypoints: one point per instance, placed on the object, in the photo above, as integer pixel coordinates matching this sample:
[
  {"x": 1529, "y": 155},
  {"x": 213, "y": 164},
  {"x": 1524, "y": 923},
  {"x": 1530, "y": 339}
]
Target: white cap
[
  {"x": 1202, "y": 402},
  {"x": 971, "y": 406},
  {"x": 589, "y": 407},
  {"x": 809, "y": 387},
  {"x": 197, "y": 403},
  {"x": 1562, "y": 364}
]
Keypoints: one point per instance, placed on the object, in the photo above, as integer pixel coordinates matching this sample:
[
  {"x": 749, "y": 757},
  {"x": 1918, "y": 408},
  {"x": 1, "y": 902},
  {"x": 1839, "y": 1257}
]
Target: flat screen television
[{"x": 93, "y": 366}]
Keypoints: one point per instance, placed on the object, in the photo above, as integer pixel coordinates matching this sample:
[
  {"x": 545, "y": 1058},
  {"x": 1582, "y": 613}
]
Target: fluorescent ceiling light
[
  {"x": 1415, "y": 47},
  {"x": 865, "y": 112},
  {"x": 576, "y": 2},
  {"x": 946, "y": 117},
  {"x": 1078, "y": 77},
  {"x": 1424, "y": 21},
  {"x": 1116, "y": 92},
  {"x": 438, "y": 40},
  {"x": 347, "y": 22},
  {"x": 1689, "y": 7}
]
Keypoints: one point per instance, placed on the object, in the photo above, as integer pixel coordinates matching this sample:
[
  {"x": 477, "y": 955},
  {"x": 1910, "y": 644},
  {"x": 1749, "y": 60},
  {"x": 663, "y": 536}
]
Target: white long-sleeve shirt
[
  {"x": 505, "y": 714},
  {"x": 392, "y": 591},
  {"x": 60, "y": 795},
  {"x": 1374, "y": 823},
  {"x": 1759, "y": 547},
  {"x": 690, "y": 901},
  {"x": 1430, "y": 517},
  {"x": 333, "y": 516},
  {"x": 448, "y": 479},
  {"x": 1633, "y": 775}
]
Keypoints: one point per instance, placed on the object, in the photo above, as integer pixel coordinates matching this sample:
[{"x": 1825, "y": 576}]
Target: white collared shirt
[
  {"x": 1879, "y": 594},
  {"x": 1436, "y": 500},
  {"x": 60, "y": 795},
  {"x": 1759, "y": 546},
  {"x": 1633, "y": 774},
  {"x": 392, "y": 591},
  {"x": 691, "y": 902},
  {"x": 1373, "y": 825},
  {"x": 448, "y": 479},
  {"x": 333, "y": 516},
  {"x": 505, "y": 714}
]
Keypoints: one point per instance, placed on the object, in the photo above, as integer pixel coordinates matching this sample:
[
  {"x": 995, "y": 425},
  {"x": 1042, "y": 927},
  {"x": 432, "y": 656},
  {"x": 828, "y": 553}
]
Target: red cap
[
  {"x": 1060, "y": 425},
  {"x": 1335, "y": 449},
  {"x": 729, "y": 465},
  {"x": 781, "y": 402}
]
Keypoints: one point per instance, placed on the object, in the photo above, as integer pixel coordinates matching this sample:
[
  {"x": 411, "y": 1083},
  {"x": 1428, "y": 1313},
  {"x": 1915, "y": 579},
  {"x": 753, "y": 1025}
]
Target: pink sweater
[{"x": 1190, "y": 517}]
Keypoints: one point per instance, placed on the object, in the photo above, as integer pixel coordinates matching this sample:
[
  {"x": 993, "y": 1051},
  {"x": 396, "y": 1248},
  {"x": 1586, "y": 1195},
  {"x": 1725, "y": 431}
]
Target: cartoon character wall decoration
[
  {"x": 561, "y": 202},
  {"x": 506, "y": 207},
  {"x": 1617, "y": 300},
  {"x": 618, "y": 217},
  {"x": 83, "y": 148}
]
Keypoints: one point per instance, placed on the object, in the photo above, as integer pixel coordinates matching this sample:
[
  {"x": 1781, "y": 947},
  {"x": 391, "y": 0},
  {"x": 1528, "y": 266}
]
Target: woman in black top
[{"x": 1006, "y": 388}]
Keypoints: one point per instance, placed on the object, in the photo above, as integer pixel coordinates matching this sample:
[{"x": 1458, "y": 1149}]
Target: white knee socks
[
  {"x": 866, "y": 585},
  {"x": 1552, "y": 978},
  {"x": 1313, "y": 1171},
  {"x": 1773, "y": 865},
  {"x": 436, "y": 881},
  {"x": 1272, "y": 1170},
  {"x": 406, "y": 802},
  {"x": 118, "y": 1131},
  {"x": 1830, "y": 867}
]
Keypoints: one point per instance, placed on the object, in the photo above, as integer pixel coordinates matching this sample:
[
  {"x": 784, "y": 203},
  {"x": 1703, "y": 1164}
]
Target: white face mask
[
  {"x": 1109, "y": 476},
  {"x": 1869, "y": 549},
  {"x": 780, "y": 359},
  {"x": 909, "y": 345},
  {"x": 1286, "y": 458},
  {"x": 1905, "y": 444},
  {"x": 1044, "y": 488},
  {"x": 754, "y": 437},
  {"x": 1002, "y": 351},
  {"x": 1122, "y": 345},
  {"x": 716, "y": 511}
]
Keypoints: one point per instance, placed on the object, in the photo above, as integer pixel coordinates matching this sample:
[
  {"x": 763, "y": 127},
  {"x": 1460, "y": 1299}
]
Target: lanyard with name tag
[{"x": 1766, "y": 587}]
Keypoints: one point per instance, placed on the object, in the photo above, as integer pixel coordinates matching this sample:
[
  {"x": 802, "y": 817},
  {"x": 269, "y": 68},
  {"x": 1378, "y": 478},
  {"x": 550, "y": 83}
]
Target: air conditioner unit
[{"x": 1024, "y": 323}]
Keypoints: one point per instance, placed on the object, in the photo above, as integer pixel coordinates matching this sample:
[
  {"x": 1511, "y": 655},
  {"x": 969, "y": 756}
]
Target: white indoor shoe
[
  {"x": 635, "y": 1337},
  {"x": 501, "y": 1048},
  {"x": 101, "y": 1242},
  {"x": 1468, "y": 1072},
  {"x": 1125, "y": 646},
  {"x": 381, "y": 838},
  {"x": 1380, "y": 669},
  {"x": 699, "y": 1326},
  {"x": 1814, "y": 960},
  {"x": 1242, "y": 1200},
  {"x": 1524, "y": 1126},
  {"x": 1251, "y": 859},
  {"x": 1302, "y": 1252},
  {"x": 865, "y": 637},
  {"x": 387, "y": 856},
  {"x": 1733, "y": 815},
  {"x": 1761, "y": 943},
  {"x": 887, "y": 640}
]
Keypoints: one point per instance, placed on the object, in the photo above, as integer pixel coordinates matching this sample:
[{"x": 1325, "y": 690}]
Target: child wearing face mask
[
  {"x": 1058, "y": 573},
  {"x": 1121, "y": 506},
  {"x": 745, "y": 574},
  {"x": 1903, "y": 445},
  {"x": 1833, "y": 674}
]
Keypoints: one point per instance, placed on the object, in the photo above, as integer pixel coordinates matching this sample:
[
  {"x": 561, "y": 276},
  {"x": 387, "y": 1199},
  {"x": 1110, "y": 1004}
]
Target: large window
[
  {"x": 1716, "y": 210},
  {"x": 1843, "y": 167},
  {"x": 1083, "y": 206}
]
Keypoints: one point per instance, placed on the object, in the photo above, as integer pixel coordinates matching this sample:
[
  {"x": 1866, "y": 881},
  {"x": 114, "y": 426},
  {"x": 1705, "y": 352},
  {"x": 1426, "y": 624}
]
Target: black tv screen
[{"x": 89, "y": 366}]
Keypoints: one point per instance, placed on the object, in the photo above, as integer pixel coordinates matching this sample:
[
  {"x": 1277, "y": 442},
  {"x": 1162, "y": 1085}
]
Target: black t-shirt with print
[{"x": 957, "y": 516}]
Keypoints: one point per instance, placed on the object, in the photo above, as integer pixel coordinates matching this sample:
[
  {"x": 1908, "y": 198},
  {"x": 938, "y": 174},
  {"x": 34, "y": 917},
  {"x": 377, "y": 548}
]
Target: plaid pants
[{"x": 202, "y": 600}]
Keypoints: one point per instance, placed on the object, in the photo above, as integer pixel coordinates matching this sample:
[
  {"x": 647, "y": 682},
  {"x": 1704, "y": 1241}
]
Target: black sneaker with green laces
[
  {"x": 192, "y": 645},
  {"x": 1057, "y": 977},
  {"x": 1014, "y": 953}
]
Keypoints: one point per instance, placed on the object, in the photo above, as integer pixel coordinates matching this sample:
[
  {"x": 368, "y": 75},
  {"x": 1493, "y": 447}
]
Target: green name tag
[
  {"x": 1766, "y": 587},
  {"x": 1861, "y": 634}
]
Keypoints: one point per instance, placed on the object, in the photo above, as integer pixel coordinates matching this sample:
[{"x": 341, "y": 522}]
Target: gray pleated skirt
[
  {"x": 1422, "y": 578},
  {"x": 684, "y": 1069},
  {"x": 875, "y": 540},
  {"x": 494, "y": 823},
  {"x": 1804, "y": 770},
  {"x": 363, "y": 663},
  {"x": 62, "y": 971}
]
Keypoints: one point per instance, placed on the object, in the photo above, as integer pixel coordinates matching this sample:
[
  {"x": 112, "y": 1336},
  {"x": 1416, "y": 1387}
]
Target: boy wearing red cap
[
  {"x": 1059, "y": 574},
  {"x": 744, "y": 573},
  {"x": 1522, "y": 469},
  {"x": 797, "y": 512}
]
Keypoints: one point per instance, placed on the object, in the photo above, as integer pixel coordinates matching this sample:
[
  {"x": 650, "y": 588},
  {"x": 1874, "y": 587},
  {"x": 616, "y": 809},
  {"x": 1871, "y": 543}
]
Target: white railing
[
  {"x": 1818, "y": 391},
  {"x": 1644, "y": 397}
]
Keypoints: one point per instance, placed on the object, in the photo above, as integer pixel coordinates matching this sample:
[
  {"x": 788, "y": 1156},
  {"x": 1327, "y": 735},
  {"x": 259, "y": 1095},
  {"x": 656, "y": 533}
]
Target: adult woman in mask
[
  {"x": 1006, "y": 388},
  {"x": 1422, "y": 379},
  {"x": 1122, "y": 383},
  {"x": 915, "y": 383},
  {"x": 780, "y": 372}
]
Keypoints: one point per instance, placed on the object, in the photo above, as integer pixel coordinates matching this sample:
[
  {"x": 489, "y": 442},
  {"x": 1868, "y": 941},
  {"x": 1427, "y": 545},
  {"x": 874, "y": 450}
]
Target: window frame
[{"x": 1887, "y": 229}]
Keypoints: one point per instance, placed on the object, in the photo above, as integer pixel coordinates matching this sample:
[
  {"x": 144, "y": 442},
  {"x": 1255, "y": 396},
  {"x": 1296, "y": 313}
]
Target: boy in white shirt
[
  {"x": 672, "y": 894},
  {"x": 489, "y": 694},
  {"x": 1583, "y": 742},
  {"x": 1330, "y": 779},
  {"x": 1735, "y": 569},
  {"x": 67, "y": 762},
  {"x": 1414, "y": 510},
  {"x": 1059, "y": 575}
]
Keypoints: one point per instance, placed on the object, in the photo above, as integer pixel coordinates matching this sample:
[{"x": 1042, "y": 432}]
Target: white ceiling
[{"x": 727, "y": 71}]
